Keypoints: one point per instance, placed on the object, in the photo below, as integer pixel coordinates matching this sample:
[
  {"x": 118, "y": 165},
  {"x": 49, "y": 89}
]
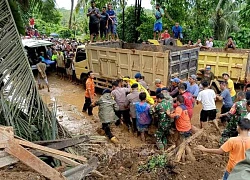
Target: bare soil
[
  {"x": 19, "y": 171},
  {"x": 123, "y": 161}
]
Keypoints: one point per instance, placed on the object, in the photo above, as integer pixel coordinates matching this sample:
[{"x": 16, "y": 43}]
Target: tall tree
[
  {"x": 71, "y": 14},
  {"x": 225, "y": 18}
]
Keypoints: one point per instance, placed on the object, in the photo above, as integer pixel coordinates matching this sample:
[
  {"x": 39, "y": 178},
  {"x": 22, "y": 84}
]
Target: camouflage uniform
[
  {"x": 237, "y": 112},
  {"x": 164, "y": 123},
  {"x": 168, "y": 99}
]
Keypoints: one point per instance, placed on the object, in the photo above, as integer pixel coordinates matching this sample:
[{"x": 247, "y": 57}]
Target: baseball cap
[
  {"x": 194, "y": 77},
  {"x": 176, "y": 80},
  {"x": 138, "y": 75},
  {"x": 208, "y": 67}
]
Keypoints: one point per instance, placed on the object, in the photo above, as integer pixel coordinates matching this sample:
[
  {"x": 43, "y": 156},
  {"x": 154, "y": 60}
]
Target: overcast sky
[{"x": 67, "y": 3}]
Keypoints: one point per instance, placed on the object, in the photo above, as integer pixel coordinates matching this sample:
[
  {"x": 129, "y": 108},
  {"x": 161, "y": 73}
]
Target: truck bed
[
  {"x": 235, "y": 62},
  {"x": 116, "y": 60}
]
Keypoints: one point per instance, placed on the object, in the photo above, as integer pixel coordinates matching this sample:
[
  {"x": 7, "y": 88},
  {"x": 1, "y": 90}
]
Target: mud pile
[
  {"x": 126, "y": 163},
  {"x": 19, "y": 171}
]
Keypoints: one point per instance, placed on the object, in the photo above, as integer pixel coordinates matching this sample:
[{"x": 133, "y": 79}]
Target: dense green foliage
[{"x": 198, "y": 18}]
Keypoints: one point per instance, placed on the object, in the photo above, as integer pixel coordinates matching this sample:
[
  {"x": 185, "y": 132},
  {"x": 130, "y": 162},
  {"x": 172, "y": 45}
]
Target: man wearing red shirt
[
  {"x": 188, "y": 99},
  {"x": 165, "y": 35},
  {"x": 32, "y": 22}
]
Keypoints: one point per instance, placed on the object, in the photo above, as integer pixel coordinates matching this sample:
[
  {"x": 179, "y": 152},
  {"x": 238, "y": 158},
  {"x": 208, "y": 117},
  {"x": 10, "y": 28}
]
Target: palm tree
[
  {"x": 20, "y": 103},
  {"x": 22, "y": 9},
  {"x": 71, "y": 14},
  {"x": 225, "y": 18}
]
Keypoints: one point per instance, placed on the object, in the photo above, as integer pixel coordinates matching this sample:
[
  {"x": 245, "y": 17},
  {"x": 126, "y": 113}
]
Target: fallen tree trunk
[{"x": 181, "y": 148}]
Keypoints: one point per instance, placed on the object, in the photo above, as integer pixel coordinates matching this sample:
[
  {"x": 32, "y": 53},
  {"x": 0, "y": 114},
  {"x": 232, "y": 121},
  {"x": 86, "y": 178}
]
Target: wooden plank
[
  {"x": 7, "y": 160},
  {"x": 50, "y": 150},
  {"x": 3, "y": 144},
  {"x": 67, "y": 142},
  {"x": 61, "y": 158},
  {"x": 3, "y": 154},
  {"x": 32, "y": 161},
  {"x": 61, "y": 143},
  {"x": 81, "y": 171}
]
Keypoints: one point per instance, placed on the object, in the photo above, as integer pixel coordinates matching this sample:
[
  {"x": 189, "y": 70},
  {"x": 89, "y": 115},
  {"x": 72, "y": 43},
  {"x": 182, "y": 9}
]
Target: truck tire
[{"x": 169, "y": 42}]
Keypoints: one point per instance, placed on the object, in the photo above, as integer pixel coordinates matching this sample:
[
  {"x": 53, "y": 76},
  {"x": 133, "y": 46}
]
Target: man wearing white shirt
[
  {"x": 209, "y": 43},
  {"x": 207, "y": 98}
]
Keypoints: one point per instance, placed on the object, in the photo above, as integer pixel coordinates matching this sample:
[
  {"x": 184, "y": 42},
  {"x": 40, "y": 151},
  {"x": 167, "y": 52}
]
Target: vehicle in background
[
  {"x": 55, "y": 36},
  {"x": 113, "y": 60},
  {"x": 33, "y": 49},
  {"x": 81, "y": 64},
  {"x": 235, "y": 62}
]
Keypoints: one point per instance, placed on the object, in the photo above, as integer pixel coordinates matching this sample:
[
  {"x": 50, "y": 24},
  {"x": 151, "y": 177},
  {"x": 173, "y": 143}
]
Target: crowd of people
[
  {"x": 63, "y": 53},
  {"x": 177, "y": 33},
  {"x": 102, "y": 23},
  {"x": 127, "y": 104}
]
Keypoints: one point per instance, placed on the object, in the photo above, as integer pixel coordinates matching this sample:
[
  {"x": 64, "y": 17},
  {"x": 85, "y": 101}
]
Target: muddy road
[{"x": 69, "y": 99}]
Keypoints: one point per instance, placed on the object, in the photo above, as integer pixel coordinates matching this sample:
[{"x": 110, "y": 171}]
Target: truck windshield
[{"x": 80, "y": 55}]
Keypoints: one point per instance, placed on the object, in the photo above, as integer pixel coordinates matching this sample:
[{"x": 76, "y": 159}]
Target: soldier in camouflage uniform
[
  {"x": 164, "y": 123},
  {"x": 237, "y": 112},
  {"x": 167, "y": 96}
]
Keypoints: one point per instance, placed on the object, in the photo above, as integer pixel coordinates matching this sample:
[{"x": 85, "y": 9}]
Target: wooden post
[{"x": 16, "y": 150}]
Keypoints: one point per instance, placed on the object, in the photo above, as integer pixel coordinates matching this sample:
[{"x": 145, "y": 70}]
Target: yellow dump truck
[
  {"x": 235, "y": 62},
  {"x": 113, "y": 60}
]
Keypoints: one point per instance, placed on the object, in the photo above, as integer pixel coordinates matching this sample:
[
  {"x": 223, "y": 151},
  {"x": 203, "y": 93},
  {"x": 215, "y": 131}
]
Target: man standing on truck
[
  {"x": 104, "y": 24},
  {"x": 159, "y": 13},
  {"x": 111, "y": 22},
  {"x": 94, "y": 15},
  {"x": 89, "y": 93},
  {"x": 177, "y": 31},
  {"x": 230, "y": 85}
]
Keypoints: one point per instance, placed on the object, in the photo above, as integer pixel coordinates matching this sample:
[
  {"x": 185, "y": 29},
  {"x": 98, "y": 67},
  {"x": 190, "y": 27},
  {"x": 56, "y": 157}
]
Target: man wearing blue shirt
[
  {"x": 227, "y": 101},
  {"x": 112, "y": 21},
  {"x": 159, "y": 13},
  {"x": 177, "y": 31}
]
